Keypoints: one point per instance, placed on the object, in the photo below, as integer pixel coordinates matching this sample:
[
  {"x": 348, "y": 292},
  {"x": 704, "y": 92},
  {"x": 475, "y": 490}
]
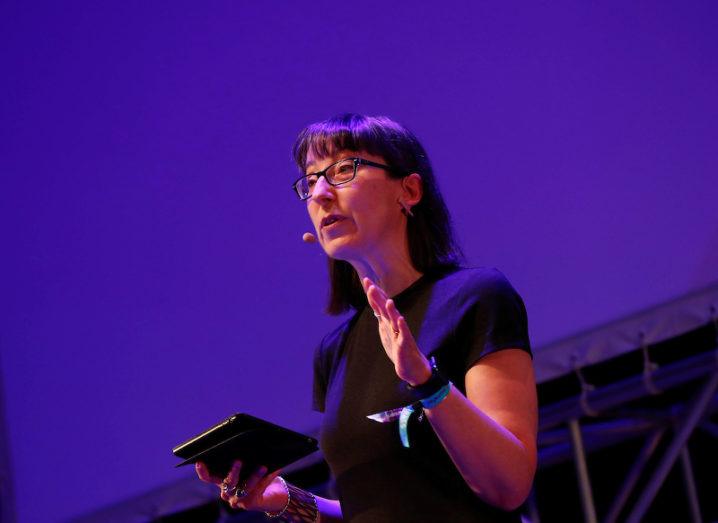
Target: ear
[{"x": 412, "y": 189}]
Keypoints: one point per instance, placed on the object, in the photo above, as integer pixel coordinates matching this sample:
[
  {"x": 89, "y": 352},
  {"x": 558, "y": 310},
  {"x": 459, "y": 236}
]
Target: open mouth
[{"x": 332, "y": 218}]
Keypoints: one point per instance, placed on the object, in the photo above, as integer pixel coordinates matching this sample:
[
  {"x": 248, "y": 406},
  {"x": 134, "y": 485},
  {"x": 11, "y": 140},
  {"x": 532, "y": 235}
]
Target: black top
[{"x": 458, "y": 317}]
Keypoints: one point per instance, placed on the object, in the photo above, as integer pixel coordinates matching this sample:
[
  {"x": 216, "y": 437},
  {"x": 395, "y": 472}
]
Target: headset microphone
[{"x": 308, "y": 237}]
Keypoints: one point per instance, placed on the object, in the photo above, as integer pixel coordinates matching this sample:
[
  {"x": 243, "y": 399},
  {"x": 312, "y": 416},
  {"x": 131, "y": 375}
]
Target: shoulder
[
  {"x": 333, "y": 341},
  {"x": 471, "y": 284}
]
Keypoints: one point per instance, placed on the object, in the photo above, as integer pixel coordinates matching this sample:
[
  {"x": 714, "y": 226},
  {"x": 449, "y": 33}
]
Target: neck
[{"x": 393, "y": 273}]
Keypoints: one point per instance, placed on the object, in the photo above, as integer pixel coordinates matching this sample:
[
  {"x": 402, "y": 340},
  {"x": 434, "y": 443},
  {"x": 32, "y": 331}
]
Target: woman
[{"x": 451, "y": 343}]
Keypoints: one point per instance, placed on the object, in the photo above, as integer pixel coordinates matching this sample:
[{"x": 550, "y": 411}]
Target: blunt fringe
[{"x": 432, "y": 243}]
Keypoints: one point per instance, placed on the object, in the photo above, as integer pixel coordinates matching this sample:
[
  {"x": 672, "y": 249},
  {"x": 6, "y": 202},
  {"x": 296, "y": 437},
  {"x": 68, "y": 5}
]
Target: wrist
[
  {"x": 430, "y": 386},
  {"x": 300, "y": 507},
  {"x": 280, "y": 502},
  {"x": 423, "y": 377},
  {"x": 436, "y": 398}
]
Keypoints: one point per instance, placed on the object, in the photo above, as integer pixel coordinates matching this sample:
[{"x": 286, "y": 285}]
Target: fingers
[
  {"x": 393, "y": 316},
  {"x": 204, "y": 474},
  {"x": 376, "y": 302},
  {"x": 253, "y": 489},
  {"x": 375, "y": 296},
  {"x": 256, "y": 486},
  {"x": 365, "y": 283},
  {"x": 384, "y": 308},
  {"x": 230, "y": 482},
  {"x": 403, "y": 328},
  {"x": 396, "y": 335},
  {"x": 246, "y": 494},
  {"x": 255, "y": 478},
  {"x": 267, "y": 480},
  {"x": 368, "y": 284}
]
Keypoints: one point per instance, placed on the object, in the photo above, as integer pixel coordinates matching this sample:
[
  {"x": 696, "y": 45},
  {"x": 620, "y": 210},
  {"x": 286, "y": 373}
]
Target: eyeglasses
[{"x": 343, "y": 171}]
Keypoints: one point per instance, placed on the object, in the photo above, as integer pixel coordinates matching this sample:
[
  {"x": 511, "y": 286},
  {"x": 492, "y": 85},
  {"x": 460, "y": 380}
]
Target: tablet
[{"x": 252, "y": 440}]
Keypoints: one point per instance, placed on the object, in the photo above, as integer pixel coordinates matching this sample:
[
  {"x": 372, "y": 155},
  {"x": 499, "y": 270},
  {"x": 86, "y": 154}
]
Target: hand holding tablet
[{"x": 253, "y": 441}]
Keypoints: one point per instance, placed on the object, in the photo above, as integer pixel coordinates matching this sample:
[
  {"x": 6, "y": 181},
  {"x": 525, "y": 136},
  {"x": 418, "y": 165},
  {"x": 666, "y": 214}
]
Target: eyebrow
[
  {"x": 309, "y": 165},
  {"x": 313, "y": 164}
]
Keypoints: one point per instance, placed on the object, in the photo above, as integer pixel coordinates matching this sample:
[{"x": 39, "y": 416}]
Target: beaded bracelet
[
  {"x": 301, "y": 506},
  {"x": 289, "y": 498}
]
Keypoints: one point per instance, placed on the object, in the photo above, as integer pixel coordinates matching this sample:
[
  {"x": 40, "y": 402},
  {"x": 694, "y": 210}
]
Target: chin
[{"x": 340, "y": 248}]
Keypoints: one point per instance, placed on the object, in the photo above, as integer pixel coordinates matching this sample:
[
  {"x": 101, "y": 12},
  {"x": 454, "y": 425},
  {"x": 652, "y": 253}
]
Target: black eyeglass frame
[{"x": 357, "y": 161}]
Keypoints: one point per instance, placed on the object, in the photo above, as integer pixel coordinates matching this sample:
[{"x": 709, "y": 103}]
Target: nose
[{"x": 323, "y": 192}]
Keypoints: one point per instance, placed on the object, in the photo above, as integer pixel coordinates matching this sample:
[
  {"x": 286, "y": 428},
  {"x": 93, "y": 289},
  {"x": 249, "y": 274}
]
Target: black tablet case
[{"x": 252, "y": 440}]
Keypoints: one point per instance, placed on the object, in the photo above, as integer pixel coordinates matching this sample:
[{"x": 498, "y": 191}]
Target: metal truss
[{"x": 600, "y": 417}]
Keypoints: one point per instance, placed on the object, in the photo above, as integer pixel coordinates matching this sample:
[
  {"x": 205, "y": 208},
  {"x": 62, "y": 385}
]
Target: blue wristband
[
  {"x": 426, "y": 403},
  {"x": 436, "y": 398},
  {"x": 406, "y": 413}
]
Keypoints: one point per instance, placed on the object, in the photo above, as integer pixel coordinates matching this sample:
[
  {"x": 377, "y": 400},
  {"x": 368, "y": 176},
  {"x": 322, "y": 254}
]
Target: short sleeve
[
  {"x": 326, "y": 357},
  {"x": 495, "y": 318}
]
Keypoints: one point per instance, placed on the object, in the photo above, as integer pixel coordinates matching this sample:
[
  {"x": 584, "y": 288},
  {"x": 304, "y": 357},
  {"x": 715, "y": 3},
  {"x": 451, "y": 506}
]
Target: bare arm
[{"x": 490, "y": 434}]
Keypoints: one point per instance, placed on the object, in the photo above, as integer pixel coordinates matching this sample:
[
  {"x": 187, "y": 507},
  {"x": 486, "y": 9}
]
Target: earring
[{"x": 405, "y": 208}]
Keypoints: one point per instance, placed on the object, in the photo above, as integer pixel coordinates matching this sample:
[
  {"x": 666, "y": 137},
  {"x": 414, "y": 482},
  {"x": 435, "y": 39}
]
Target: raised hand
[{"x": 396, "y": 337}]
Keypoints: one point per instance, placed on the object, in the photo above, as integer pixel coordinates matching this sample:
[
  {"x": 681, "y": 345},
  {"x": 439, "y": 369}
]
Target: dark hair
[{"x": 432, "y": 245}]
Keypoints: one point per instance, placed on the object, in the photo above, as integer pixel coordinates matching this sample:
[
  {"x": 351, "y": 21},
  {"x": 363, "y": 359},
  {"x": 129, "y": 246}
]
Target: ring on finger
[{"x": 240, "y": 492}]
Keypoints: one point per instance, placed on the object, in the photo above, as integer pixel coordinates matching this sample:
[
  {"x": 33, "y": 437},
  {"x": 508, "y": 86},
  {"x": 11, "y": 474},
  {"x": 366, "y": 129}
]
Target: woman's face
[{"x": 361, "y": 219}]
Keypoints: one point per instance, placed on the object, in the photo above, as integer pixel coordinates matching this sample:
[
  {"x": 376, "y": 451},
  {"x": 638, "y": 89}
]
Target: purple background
[{"x": 153, "y": 276}]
